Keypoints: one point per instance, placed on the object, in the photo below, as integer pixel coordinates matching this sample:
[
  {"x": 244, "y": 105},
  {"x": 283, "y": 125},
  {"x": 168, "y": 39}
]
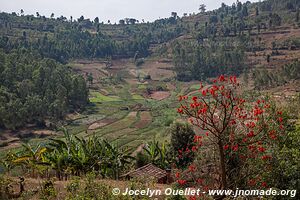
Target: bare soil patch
[
  {"x": 160, "y": 95},
  {"x": 132, "y": 114},
  {"x": 101, "y": 123},
  {"x": 72, "y": 116},
  {"x": 97, "y": 70},
  {"x": 171, "y": 86},
  {"x": 158, "y": 70},
  {"x": 145, "y": 120}
]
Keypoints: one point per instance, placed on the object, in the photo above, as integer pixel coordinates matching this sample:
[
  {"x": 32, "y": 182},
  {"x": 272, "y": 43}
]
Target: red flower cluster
[
  {"x": 181, "y": 182},
  {"x": 192, "y": 168},
  {"x": 235, "y": 147},
  {"x": 252, "y": 182},
  {"x": 261, "y": 149},
  {"x": 272, "y": 134},
  {"x": 257, "y": 111},
  {"x": 195, "y": 98},
  {"x": 182, "y": 98},
  {"x": 226, "y": 147},
  {"x": 222, "y": 78},
  {"x": 266, "y": 157},
  {"x": 264, "y": 184},
  {"x": 233, "y": 79},
  {"x": 197, "y": 138},
  {"x": 250, "y": 134},
  {"x": 251, "y": 148},
  {"x": 180, "y": 110},
  {"x": 251, "y": 125}
]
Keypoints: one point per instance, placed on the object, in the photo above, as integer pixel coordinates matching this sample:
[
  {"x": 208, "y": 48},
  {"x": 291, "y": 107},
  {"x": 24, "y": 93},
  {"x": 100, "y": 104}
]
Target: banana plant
[
  {"x": 74, "y": 156},
  {"x": 158, "y": 154},
  {"x": 8, "y": 163},
  {"x": 117, "y": 159},
  {"x": 153, "y": 151},
  {"x": 32, "y": 158}
]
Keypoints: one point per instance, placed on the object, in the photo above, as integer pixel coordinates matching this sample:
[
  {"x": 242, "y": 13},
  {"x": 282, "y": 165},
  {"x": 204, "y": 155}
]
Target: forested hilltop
[
  {"x": 234, "y": 39},
  {"x": 34, "y": 89}
]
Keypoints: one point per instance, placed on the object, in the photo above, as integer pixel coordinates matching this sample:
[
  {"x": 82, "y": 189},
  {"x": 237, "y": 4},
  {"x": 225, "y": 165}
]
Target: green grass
[
  {"x": 97, "y": 97},
  {"x": 88, "y": 119},
  {"x": 195, "y": 87},
  {"x": 115, "y": 136},
  {"x": 137, "y": 97},
  {"x": 116, "y": 126},
  {"x": 142, "y": 86}
]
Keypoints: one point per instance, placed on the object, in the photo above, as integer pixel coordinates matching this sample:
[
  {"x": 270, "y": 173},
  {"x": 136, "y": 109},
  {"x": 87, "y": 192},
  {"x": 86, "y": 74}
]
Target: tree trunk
[{"x": 222, "y": 165}]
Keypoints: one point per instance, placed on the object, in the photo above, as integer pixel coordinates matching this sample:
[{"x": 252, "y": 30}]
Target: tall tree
[
  {"x": 241, "y": 132},
  {"x": 96, "y": 20},
  {"x": 202, "y": 8},
  {"x": 174, "y": 14}
]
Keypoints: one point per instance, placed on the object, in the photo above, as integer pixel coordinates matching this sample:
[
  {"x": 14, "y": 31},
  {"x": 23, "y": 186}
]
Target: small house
[{"x": 149, "y": 171}]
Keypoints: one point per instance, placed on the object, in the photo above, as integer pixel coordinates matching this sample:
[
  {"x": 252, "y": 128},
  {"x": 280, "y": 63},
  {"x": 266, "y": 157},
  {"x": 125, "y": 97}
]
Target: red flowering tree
[{"x": 238, "y": 136}]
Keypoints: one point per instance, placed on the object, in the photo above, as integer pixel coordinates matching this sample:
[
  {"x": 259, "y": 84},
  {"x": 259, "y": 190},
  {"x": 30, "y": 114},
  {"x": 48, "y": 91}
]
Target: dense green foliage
[
  {"x": 194, "y": 61},
  {"x": 157, "y": 154},
  {"x": 61, "y": 39},
  {"x": 182, "y": 140},
  {"x": 33, "y": 89},
  {"x": 286, "y": 173},
  {"x": 70, "y": 156}
]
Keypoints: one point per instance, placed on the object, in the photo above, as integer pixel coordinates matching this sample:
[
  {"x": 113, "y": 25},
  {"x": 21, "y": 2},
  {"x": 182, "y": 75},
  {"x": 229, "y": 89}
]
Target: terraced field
[
  {"x": 132, "y": 111},
  {"x": 124, "y": 109}
]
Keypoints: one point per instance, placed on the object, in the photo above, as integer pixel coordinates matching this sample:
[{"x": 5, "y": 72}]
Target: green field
[{"x": 97, "y": 97}]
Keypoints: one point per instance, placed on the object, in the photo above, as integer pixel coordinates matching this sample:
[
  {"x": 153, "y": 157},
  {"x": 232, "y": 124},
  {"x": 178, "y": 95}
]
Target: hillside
[
  {"x": 80, "y": 96},
  {"x": 258, "y": 43}
]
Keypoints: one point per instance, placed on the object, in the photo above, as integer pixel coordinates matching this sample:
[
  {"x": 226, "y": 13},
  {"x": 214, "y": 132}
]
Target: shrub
[
  {"x": 182, "y": 140},
  {"x": 147, "y": 77},
  {"x": 139, "y": 62},
  {"x": 141, "y": 160}
]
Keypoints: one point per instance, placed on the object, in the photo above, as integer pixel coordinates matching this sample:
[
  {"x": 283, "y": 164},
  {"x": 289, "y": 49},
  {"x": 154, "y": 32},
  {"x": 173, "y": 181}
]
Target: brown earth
[
  {"x": 101, "y": 123},
  {"x": 145, "y": 120},
  {"x": 160, "y": 95},
  {"x": 97, "y": 69},
  {"x": 158, "y": 70}
]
